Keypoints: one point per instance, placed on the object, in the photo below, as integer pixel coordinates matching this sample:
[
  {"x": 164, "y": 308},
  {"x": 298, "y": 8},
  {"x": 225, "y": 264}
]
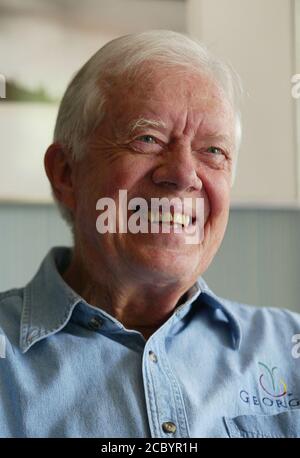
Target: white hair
[{"x": 83, "y": 105}]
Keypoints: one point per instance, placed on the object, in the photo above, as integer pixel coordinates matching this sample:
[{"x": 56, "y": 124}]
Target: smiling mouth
[{"x": 171, "y": 218}]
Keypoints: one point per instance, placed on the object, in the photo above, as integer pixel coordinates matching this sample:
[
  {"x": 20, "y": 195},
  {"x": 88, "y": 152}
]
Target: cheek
[
  {"x": 122, "y": 174},
  {"x": 99, "y": 180},
  {"x": 217, "y": 190},
  {"x": 120, "y": 178}
]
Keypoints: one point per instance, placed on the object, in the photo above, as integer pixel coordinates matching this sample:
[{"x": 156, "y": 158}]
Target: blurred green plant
[{"x": 15, "y": 92}]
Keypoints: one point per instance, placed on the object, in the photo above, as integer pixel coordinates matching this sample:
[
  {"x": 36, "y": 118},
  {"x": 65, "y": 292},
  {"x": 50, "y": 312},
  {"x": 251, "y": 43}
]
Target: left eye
[
  {"x": 214, "y": 150},
  {"x": 147, "y": 139}
]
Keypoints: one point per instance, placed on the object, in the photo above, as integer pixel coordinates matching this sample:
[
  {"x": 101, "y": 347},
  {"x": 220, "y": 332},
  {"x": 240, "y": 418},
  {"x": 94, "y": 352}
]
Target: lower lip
[{"x": 166, "y": 224}]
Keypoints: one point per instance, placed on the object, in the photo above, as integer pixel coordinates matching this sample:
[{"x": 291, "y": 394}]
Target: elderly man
[{"x": 120, "y": 336}]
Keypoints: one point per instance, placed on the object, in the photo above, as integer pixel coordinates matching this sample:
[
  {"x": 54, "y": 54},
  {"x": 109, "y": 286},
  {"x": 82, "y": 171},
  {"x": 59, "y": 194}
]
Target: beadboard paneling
[{"x": 258, "y": 262}]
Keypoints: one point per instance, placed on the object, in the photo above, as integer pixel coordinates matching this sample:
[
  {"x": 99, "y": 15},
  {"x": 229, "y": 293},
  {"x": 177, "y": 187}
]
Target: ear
[{"x": 59, "y": 169}]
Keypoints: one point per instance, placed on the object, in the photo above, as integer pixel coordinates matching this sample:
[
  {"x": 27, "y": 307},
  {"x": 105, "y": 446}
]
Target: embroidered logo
[
  {"x": 273, "y": 391},
  {"x": 270, "y": 383}
]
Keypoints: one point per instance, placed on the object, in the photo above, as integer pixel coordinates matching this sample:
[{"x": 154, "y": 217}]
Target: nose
[{"x": 178, "y": 171}]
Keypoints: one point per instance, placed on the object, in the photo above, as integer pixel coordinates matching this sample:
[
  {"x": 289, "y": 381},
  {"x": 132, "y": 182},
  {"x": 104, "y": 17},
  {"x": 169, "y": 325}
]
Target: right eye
[
  {"x": 147, "y": 139},
  {"x": 147, "y": 144}
]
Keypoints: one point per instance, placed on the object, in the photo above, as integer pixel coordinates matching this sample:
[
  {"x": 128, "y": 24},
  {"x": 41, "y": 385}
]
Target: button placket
[{"x": 165, "y": 402}]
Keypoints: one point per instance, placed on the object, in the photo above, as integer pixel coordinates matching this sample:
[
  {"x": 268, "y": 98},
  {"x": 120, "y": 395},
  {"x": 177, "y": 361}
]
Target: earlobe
[{"x": 59, "y": 170}]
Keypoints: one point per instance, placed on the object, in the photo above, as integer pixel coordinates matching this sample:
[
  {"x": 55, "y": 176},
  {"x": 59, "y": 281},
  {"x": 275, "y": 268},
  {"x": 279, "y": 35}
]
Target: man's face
[{"x": 186, "y": 150}]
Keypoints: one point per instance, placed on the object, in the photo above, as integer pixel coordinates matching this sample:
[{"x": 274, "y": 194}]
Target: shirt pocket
[{"x": 284, "y": 424}]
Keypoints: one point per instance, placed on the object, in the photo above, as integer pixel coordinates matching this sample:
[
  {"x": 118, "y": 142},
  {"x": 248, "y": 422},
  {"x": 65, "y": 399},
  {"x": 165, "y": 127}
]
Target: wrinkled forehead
[{"x": 169, "y": 97}]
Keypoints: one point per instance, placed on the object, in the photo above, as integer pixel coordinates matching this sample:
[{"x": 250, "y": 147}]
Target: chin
[{"x": 166, "y": 263}]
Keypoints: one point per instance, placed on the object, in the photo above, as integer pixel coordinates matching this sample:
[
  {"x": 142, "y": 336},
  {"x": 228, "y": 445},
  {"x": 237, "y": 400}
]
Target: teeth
[
  {"x": 181, "y": 219},
  {"x": 167, "y": 217},
  {"x": 153, "y": 217}
]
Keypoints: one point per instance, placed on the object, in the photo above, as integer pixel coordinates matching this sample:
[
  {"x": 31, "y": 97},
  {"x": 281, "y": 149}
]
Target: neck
[{"x": 142, "y": 306}]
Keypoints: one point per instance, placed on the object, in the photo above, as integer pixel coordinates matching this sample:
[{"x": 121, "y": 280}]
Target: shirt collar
[
  {"x": 48, "y": 302},
  {"x": 223, "y": 311}
]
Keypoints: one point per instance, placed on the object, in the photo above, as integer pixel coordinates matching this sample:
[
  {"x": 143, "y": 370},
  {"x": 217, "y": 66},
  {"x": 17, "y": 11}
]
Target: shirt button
[
  {"x": 152, "y": 356},
  {"x": 169, "y": 427},
  {"x": 95, "y": 323}
]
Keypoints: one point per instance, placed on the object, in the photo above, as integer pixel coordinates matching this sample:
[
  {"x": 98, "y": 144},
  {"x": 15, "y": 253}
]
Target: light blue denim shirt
[{"x": 214, "y": 369}]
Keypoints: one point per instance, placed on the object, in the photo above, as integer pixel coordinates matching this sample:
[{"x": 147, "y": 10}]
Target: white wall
[
  {"x": 257, "y": 37},
  {"x": 35, "y": 50}
]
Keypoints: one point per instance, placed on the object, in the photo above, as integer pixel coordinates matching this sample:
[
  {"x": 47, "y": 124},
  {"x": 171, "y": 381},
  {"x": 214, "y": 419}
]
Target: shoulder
[
  {"x": 11, "y": 305},
  {"x": 261, "y": 328},
  {"x": 267, "y": 330},
  {"x": 259, "y": 316},
  {"x": 10, "y": 300},
  {"x": 253, "y": 316}
]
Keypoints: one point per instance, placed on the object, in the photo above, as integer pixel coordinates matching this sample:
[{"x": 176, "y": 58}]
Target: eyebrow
[
  {"x": 218, "y": 137},
  {"x": 143, "y": 122}
]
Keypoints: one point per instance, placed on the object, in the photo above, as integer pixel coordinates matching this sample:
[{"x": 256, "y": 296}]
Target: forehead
[{"x": 173, "y": 98}]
